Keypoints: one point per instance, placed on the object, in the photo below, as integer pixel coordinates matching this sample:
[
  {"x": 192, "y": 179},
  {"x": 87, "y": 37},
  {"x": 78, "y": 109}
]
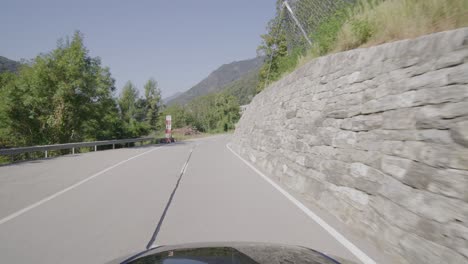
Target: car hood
[{"x": 231, "y": 252}]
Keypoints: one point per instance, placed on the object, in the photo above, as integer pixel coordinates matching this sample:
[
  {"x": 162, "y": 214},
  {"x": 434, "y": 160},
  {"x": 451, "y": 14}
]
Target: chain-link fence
[
  {"x": 309, "y": 14},
  {"x": 292, "y": 31}
]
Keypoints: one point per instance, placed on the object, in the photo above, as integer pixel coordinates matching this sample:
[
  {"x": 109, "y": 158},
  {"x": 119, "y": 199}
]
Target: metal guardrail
[{"x": 47, "y": 148}]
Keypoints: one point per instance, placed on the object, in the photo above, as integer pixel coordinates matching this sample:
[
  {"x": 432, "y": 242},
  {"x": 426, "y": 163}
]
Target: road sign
[{"x": 168, "y": 126}]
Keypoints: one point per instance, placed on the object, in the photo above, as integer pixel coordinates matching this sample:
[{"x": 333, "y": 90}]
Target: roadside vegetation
[
  {"x": 212, "y": 113},
  {"x": 68, "y": 96},
  {"x": 354, "y": 24}
]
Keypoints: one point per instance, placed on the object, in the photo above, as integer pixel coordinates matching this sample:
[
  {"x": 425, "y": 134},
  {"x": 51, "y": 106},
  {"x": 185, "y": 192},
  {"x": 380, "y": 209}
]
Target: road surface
[{"x": 96, "y": 207}]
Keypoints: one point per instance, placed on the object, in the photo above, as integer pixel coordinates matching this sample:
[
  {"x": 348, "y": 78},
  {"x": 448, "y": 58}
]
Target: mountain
[
  {"x": 244, "y": 88},
  {"x": 8, "y": 65},
  {"x": 220, "y": 79},
  {"x": 169, "y": 98}
]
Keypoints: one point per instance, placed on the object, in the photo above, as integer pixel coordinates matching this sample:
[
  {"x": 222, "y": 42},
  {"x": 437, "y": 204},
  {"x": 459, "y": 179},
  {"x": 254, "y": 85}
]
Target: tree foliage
[
  {"x": 62, "y": 96},
  {"x": 132, "y": 111},
  {"x": 284, "y": 44},
  {"x": 179, "y": 114},
  {"x": 243, "y": 89},
  {"x": 153, "y": 103},
  {"x": 67, "y": 96},
  {"x": 216, "y": 112},
  {"x": 275, "y": 48}
]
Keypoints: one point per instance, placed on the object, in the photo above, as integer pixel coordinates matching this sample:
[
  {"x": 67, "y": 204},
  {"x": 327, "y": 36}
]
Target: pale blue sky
[{"x": 178, "y": 42}]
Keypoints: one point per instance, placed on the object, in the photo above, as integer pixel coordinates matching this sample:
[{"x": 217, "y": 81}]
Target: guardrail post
[
  {"x": 113, "y": 146},
  {"x": 73, "y": 151},
  {"x": 95, "y": 147},
  {"x": 46, "y": 154}
]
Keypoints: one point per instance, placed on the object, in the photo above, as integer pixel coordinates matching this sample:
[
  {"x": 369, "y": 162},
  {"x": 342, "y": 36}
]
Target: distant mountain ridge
[
  {"x": 173, "y": 96},
  {"x": 8, "y": 65},
  {"x": 220, "y": 79}
]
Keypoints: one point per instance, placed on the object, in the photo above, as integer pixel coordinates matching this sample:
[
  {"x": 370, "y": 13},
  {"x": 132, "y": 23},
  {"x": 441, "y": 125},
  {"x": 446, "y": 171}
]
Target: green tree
[
  {"x": 227, "y": 112},
  {"x": 283, "y": 45},
  {"x": 153, "y": 103},
  {"x": 180, "y": 116},
  {"x": 5, "y": 78},
  {"x": 214, "y": 112},
  {"x": 61, "y": 96},
  {"x": 132, "y": 111},
  {"x": 274, "y": 47}
]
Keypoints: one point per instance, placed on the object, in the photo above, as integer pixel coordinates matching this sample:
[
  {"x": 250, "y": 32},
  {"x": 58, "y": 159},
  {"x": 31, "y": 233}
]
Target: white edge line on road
[
  {"x": 339, "y": 237},
  {"x": 55, "y": 195}
]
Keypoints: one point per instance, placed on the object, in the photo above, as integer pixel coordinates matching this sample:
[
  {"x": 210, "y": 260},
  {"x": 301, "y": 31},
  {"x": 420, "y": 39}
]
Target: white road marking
[
  {"x": 152, "y": 242},
  {"x": 339, "y": 237},
  {"x": 57, "y": 194},
  {"x": 184, "y": 168}
]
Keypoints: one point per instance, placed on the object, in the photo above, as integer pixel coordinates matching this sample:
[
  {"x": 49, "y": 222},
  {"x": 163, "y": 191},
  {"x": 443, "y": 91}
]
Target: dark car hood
[{"x": 232, "y": 252}]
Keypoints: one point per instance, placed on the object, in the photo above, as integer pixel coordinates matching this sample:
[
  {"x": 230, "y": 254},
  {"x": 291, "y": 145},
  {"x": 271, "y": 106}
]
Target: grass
[{"x": 373, "y": 22}]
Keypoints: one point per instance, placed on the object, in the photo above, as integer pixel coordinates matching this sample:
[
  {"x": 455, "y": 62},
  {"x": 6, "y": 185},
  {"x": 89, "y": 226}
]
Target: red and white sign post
[{"x": 168, "y": 128}]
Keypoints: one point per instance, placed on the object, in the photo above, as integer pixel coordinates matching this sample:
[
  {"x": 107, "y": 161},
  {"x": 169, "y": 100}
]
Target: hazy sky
[{"x": 178, "y": 42}]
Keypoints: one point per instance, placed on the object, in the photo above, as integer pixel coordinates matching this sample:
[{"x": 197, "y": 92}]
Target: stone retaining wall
[{"x": 379, "y": 138}]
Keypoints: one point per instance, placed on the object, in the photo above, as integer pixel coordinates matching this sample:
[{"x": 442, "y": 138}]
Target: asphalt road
[{"x": 95, "y": 207}]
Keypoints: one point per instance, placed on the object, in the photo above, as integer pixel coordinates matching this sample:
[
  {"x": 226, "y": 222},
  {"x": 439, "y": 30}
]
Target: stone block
[
  {"x": 313, "y": 162},
  {"x": 452, "y": 59},
  {"x": 326, "y": 134},
  {"x": 332, "y": 122},
  {"x": 439, "y": 95},
  {"x": 458, "y": 74},
  {"x": 435, "y": 136},
  {"x": 363, "y": 123},
  {"x": 335, "y": 170},
  {"x": 459, "y": 133},
  {"x": 359, "y": 199},
  {"x": 344, "y": 139},
  {"x": 397, "y": 167},
  {"x": 312, "y": 140},
  {"x": 291, "y": 114},
  {"x": 417, "y": 250},
  {"x": 426, "y": 204},
  {"x": 370, "y": 158},
  {"x": 365, "y": 178},
  {"x": 450, "y": 183},
  {"x": 400, "y": 119},
  {"x": 439, "y": 116},
  {"x": 432, "y": 79},
  {"x": 324, "y": 152},
  {"x": 388, "y": 103}
]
